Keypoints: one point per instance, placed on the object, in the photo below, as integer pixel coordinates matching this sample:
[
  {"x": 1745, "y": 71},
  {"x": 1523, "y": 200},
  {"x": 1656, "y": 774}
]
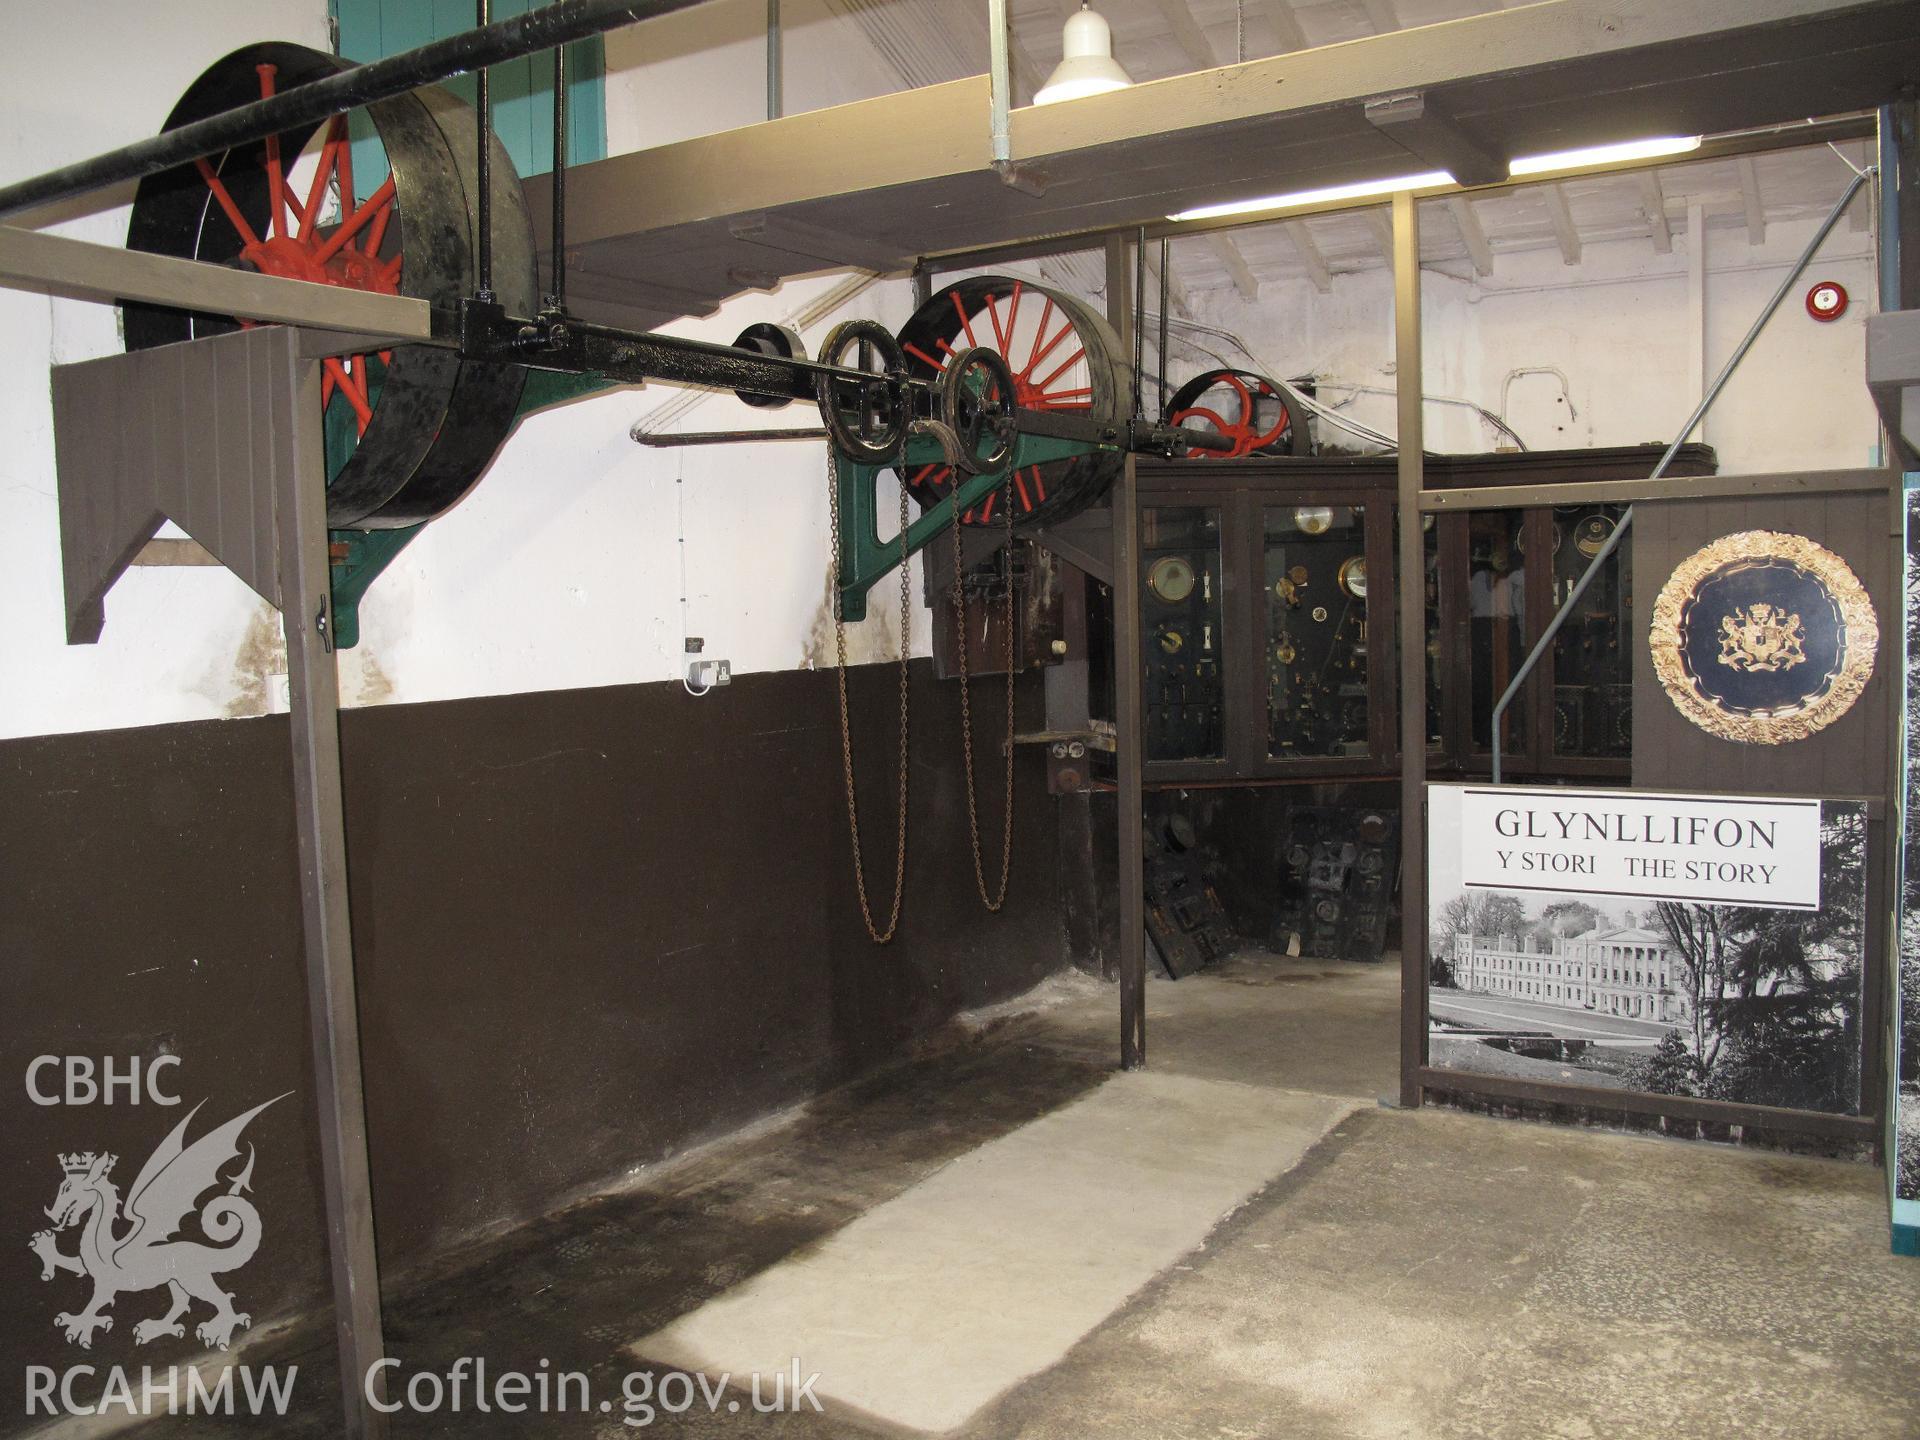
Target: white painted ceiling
[{"x": 929, "y": 41}]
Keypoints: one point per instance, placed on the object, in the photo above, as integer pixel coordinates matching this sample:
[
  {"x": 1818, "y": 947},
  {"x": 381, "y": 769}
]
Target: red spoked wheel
[
  {"x": 409, "y": 430},
  {"x": 1247, "y": 408},
  {"x": 1061, "y": 356},
  {"x": 349, "y": 254}
]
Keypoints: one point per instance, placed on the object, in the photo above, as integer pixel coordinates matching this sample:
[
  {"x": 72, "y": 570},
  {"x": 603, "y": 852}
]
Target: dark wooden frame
[
  {"x": 1241, "y": 494},
  {"x": 1241, "y": 489},
  {"x": 1866, "y": 1127}
]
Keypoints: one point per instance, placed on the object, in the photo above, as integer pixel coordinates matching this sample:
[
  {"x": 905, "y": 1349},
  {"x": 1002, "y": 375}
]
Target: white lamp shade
[{"x": 1087, "y": 66}]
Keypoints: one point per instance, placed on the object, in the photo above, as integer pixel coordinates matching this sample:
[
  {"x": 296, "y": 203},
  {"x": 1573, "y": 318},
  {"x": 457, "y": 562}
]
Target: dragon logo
[
  {"x": 144, "y": 1255},
  {"x": 1763, "y": 638}
]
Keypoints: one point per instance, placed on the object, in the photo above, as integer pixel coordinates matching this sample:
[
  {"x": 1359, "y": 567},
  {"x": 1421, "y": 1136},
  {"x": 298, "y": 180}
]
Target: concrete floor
[{"x": 1424, "y": 1274}]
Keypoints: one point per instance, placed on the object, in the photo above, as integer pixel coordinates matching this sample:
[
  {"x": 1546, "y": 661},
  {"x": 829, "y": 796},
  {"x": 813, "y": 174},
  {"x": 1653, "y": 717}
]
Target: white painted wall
[
  {"x": 68, "y": 95},
  {"x": 1617, "y": 326},
  {"x": 564, "y": 568}
]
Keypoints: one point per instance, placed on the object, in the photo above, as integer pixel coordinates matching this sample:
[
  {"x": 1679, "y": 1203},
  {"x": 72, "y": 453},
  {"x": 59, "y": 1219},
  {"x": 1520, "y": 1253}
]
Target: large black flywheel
[
  {"x": 1063, "y": 357},
  {"x": 409, "y": 430}
]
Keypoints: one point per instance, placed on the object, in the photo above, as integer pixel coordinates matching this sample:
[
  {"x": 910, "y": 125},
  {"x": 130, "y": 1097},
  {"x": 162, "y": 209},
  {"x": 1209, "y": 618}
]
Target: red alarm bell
[{"x": 1827, "y": 300}]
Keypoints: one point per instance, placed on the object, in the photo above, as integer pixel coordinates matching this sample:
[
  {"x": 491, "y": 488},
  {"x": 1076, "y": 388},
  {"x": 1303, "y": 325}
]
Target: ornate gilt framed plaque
[{"x": 1763, "y": 637}]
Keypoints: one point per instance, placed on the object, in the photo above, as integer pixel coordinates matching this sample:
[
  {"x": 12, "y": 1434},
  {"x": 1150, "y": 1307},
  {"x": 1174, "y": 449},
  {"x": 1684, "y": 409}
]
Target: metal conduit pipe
[{"x": 1626, "y": 519}]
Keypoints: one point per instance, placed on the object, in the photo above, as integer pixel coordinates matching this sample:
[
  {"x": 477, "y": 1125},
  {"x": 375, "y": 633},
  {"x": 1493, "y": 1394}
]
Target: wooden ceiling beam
[
  {"x": 1653, "y": 204},
  {"x": 1564, "y": 230},
  {"x": 1241, "y": 273},
  {"x": 1310, "y": 256},
  {"x": 1287, "y": 34},
  {"x": 1756, "y": 212},
  {"x": 1381, "y": 15},
  {"x": 1479, "y": 250}
]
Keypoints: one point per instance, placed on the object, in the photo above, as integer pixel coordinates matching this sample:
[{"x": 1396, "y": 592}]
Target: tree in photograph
[
  {"x": 1698, "y": 936},
  {"x": 1571, "y": 917},
  {"x": 1669, "y": 1070},
  {"x": 1773, "y": 994}
]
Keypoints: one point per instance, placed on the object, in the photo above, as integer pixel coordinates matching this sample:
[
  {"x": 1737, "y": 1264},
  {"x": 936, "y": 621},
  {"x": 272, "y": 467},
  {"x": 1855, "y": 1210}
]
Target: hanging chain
[
  {"x": 994, "y": 901},
  {"x": 880, "y": 937}
]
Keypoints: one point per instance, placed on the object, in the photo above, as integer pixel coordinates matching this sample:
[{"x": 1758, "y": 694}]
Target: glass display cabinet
[{"x": 1269, "y": 655}]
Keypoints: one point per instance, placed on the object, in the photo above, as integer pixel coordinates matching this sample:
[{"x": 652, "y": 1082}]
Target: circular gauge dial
[
  {"x": 1353, "y": 576},
  {"x": 1171, "y": 578},
  {"x": 1313, "y": 519},
  {"x": 1592, "y": 533}
]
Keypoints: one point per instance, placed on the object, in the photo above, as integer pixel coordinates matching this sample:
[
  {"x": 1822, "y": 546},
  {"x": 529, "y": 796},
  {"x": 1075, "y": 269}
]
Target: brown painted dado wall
[{"x": 591, "y": 927}]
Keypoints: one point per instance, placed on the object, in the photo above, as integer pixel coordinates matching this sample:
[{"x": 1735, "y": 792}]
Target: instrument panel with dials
[
  {"x": 1315, "y": 573},
  {"x": 1181, "y": 636}
]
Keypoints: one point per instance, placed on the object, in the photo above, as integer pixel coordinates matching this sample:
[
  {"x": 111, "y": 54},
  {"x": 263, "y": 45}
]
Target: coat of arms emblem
[{"x": 1763, "y": 637}]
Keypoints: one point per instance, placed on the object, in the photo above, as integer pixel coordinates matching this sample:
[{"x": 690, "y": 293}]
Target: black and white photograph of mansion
[
  {"x": 1626, "y": 972},
  {"x": 1724, "y": 1002}
]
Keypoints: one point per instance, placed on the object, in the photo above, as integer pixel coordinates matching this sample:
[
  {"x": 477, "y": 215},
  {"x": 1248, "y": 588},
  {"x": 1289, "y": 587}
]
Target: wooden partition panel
[{"x": 1852, "y": 756}]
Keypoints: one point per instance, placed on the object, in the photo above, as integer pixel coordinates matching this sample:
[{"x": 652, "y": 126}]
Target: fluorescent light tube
[
  {"x": 1604, "y": 154},
  {"x": 1319, "y": 197}
]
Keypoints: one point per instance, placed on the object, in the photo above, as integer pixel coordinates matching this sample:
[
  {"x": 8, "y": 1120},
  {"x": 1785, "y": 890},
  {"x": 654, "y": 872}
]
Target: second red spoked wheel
[
  {"x": 1062, "y": 356},
  {"x": 1247, "y": 408}
]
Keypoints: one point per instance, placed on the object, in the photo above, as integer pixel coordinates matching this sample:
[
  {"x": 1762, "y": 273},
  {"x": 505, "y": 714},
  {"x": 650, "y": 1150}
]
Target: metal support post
[
  {"x": 483, "y": 150},
  {"x": 557, "y": 297},
  {"x": 1411, "y": 592},
  {"x": 1129, "y": 717},
  {"x": 1166, "y": 301},
  {"x": 1000, "y": 82},
  {"x": 322, "y": 846},
  {"x": 776, "y": 102}
]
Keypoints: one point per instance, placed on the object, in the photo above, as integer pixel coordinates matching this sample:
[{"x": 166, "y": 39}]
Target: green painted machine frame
[
  {"x": 866, "y": 559},
  {"x": 361, "y": 556}
]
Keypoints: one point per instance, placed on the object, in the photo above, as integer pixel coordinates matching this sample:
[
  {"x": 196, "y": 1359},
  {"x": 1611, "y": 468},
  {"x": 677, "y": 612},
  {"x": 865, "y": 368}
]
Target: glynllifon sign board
[{"x": 1712, "y": 849}]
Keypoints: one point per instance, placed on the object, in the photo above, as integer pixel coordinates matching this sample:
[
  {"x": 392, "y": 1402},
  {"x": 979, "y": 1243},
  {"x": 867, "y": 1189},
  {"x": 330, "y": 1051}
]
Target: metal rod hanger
[
  {"x": 493, "y": 44},
  {"x": 673, "y": 439},
  {"x": 1706, "y": 401},
  {"x": 483, "y": 153},
  {"x": 557, "y": 297}
]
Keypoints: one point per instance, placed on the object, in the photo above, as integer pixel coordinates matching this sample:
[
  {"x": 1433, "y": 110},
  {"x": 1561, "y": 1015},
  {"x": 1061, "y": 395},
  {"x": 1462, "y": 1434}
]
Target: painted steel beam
[{"x": 82, "y": 270}]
